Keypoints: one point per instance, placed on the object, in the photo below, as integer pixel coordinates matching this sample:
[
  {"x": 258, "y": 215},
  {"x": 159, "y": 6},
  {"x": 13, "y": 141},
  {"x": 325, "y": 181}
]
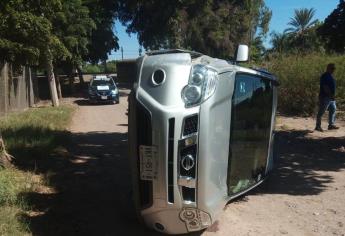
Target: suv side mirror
[{"x": 242, "y": 53}]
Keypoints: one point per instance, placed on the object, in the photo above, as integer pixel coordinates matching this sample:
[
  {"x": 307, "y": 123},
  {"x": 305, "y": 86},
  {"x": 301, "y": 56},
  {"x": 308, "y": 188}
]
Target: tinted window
[{"x": 250, "y": 131}]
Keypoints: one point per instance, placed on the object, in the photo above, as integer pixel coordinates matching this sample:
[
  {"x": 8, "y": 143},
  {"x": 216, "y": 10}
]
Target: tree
[
  {"x": 333, "y": 29},
  {"x": 302, "y": 35},
  {"x": 73, "y": 26},
  {"x": 103, "y": 38},
  {"x": 213, "y": 27},
  {"x": 27, "y": 36},
  {"x": 301, "y": 21},
  {"x": 279, "y": 42}
]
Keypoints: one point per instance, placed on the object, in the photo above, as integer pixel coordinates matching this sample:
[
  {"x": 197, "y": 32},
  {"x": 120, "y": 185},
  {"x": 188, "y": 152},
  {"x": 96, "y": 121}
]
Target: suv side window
[{"x": 251, "y": 117}]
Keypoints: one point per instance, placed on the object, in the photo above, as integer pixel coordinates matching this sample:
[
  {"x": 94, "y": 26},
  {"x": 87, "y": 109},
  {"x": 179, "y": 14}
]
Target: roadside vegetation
[
  {"x": 110, "y": 67},
  {"x": 299, "y": 77},
  {"x": 299, "y": 56},
  {"x": 32, "y": 137}
]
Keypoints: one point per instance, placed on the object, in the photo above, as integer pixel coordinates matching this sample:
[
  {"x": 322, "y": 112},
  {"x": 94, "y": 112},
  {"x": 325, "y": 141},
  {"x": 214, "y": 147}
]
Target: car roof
[{"x": 101, "y": 77}]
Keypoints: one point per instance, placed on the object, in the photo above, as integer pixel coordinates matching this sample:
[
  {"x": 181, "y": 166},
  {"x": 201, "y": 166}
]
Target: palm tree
[
  {"x": 302, "y": 20},
  {"x": 279, "y": 42}
]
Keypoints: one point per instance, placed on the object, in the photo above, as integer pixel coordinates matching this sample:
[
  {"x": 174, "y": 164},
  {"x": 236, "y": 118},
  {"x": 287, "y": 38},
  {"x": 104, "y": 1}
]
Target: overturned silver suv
[{"x": 200, "y": 134}]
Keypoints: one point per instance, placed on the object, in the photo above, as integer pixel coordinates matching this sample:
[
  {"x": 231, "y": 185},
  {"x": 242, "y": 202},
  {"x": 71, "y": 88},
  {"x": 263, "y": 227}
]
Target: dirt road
[
  {"x": 304, "y": 196},
  {"x": 91, "y": 193}
]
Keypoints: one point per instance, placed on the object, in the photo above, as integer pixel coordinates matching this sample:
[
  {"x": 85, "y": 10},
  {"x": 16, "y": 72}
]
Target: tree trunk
[
  {"x": 5, "y": 158},
  {"x": 51, "y": 79},
  {"x": 81, "y": 77},
  {"x": 58, "y": 86},
  {"x": 71, "y": 82}
]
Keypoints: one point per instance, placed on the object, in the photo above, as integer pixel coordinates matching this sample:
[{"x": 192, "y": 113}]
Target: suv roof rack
[
  {"x": 169, "y": 51},
  {"x": 261, "y": 70}
]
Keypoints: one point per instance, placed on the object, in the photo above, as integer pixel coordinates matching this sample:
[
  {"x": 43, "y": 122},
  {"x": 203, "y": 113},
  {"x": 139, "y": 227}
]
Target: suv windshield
[{"x": 102, "y": 82}]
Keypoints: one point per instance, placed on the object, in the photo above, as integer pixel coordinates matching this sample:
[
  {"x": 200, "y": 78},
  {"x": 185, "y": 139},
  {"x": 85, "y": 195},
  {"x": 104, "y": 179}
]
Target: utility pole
[{"x": 122, "y": 52}]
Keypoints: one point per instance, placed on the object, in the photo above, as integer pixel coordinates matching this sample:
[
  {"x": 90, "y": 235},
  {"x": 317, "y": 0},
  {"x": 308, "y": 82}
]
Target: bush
[
  {"x": 299, "y": 81},
  {"x": 99, "y": 68},
  {"x": 92, "y": 69}
]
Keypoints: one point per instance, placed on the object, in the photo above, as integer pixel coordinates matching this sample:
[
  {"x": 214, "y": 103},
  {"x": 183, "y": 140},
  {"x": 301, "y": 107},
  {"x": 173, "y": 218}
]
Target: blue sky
[{"x": 282, "y": 11}]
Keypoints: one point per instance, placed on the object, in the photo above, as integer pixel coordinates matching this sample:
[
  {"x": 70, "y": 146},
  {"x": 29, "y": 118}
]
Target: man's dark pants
[{"x": 324, "y": 105}]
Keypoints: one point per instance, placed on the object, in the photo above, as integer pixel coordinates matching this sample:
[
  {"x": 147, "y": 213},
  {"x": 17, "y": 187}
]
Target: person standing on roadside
[{"x": 327, "y": 98}]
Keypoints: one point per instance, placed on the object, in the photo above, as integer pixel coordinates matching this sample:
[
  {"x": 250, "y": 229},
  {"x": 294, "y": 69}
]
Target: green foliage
[
  {"x": 333, "y": 30},
  {"x": 299, "y": 76},
  {"x": 103, "y": 39},
  {"x": 22, "y": 32},
  {"x": 99, "y": 68},
  {"x": 92, "y": 69},
  {"x": 302, "y": 37},
  {"x": 280, "y": 42},
  {"x": 12, "y": 184},
  {"x": 35, "y": 32},
  {"x": 211, "y": 27},
  {"x": 111, "y": 67},
  {"x": 302, "y": 20},
  {"x": 26, "y": 31},
  {"x": 73, "y": 26}
]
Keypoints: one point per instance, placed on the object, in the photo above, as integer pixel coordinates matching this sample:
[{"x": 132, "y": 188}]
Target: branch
[{"x": 5, "y": 158}]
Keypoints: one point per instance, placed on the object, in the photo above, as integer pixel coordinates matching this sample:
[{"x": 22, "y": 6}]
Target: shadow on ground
[
  {"x": 86, "y": 102},
  {"x": 93, "y": 186},
  {"x": 92, "y": 183},
  {"x": 302, "y": 163}
]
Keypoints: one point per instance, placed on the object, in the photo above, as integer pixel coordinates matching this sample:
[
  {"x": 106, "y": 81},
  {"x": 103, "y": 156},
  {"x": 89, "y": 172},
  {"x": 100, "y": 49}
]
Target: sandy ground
[{"x": 305, "y": 195}]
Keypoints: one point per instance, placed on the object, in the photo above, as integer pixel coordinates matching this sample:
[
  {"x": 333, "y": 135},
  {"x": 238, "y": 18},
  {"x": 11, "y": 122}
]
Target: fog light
[
  {"x": 187, "y": 162},
  {"x": 189, "y": 142}
]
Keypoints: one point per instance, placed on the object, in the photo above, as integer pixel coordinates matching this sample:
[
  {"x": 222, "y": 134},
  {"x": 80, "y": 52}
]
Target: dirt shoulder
[{"x": 305, "y": 194}]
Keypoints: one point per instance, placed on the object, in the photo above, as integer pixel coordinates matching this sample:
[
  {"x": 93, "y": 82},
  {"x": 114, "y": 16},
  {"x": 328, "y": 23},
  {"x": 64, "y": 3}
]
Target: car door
[{"x": 250, "y": 130}]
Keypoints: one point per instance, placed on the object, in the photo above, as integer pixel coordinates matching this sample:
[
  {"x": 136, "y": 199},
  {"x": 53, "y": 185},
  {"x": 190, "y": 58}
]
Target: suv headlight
[
  {"x": 114, "y": 92},
  {"x": 202, "y": 84}
]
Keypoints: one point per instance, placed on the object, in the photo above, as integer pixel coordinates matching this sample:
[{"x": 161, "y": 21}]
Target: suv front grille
[
  {"x": 190, "y": 125},
  {"x": 171, "y": 136},
  {"x": 144, "y": 137},
  {"x": 191, "y": 150},
  {"x": 103, "y": 93},
  {"x": 188, "y": 194}
]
